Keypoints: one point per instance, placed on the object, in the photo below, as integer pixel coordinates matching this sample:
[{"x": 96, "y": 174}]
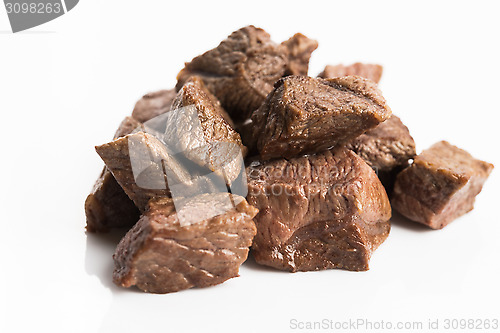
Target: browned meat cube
[
  {"x": 440, "y": 185},
  {"x": 300, "y": 49},
  {"x": 192, "y": 147},
  {"x": 153, "y": 104},
  {"x": 198, "y": 128},
  {"x": 127, "y": 126},
  {"x": 241, "y": 71},
  {"x": 108, "y": 206},
  {"x": 194, "y": 91},
  {"x": 327, "y": 210},
  {"x": 368, "y": 71},
  {"x": 386, "y": 148},
  {"x": 196, "y": 242},
  {"x": 143, "y": 166},
  {"x": 307, "y": 115}
]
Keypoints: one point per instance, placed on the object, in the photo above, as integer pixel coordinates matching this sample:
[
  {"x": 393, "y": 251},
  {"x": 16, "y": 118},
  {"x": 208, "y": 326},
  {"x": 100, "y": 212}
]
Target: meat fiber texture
[
  {"x": 369, "y": 71},
  {"x": 161, "y": 255},
  {"x": 308, "y": 115},
  {"x": 177, "y": 167},
  {"x": 189, "y": 150},
  {"x": 144, "y": 167},
  {"x": 241, "y": 71},
  {"x": 107, "y": 206},
  {"x": 440, "y": 185},
  {"x": 387, "y": 148},
  {"x": 326, "y": 210},
  {"x": 201, "y": 129}
]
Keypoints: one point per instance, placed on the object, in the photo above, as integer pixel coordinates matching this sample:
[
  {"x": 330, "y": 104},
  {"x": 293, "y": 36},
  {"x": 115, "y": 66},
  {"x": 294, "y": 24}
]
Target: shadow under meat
[
  {"x": 99, "y": 255},
  {"x": 250, "y": 263},
  {"x": 399, "y": 220}
]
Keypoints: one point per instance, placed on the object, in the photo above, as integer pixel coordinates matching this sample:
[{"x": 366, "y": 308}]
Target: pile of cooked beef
[{"x": 249, "y": 152}]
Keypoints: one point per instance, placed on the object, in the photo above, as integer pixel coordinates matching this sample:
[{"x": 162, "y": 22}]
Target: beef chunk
[
  {"x": 300, "y": 49},
  {"x": 143, "y": 166},
  {"x": 108, "y": 206},
  {"x": 127, "y": 126},
  {"x": 153, "y": 104},
  {"x": 368, "y": 71},
  {"x": 326, "y": 210},
  {"x": 191, "y": 147},
  {"x": 196, "y": 92},
  {"x": 241, "y": 71},
  {"x": 307, "y": 115},
  {"x": 440, "y": 185},
  {"x": 197, "y": 127},
  {"x": 386, "y": 148},
  {"x": 161, "y": 254}
]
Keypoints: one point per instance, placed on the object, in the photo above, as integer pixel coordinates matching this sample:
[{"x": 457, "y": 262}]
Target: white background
[{"x": 66, "y": 85}]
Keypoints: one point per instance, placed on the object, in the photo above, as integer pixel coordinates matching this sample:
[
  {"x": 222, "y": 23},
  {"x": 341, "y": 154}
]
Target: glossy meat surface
[
  {"x": 204, "y": 132},
  {"x": 387, "y": 148},
  {"x": 241, "y": 71},
  {"x": 327, "y": 210},
  {"x": 308, "y": 115},
  {"x": 161, "y": 254},
  {"x": 440, "y": 185}
]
